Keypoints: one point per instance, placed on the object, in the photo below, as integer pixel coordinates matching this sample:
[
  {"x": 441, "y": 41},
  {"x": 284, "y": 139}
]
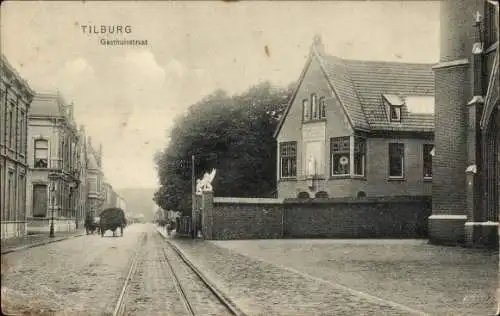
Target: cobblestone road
[
  {"x": 435, "y": 279},
  {"x": 80, "y": 275},
  {"x": 260, "y": 288}
]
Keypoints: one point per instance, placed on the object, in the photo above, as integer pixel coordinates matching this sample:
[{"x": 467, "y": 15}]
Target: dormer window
[
  {"x": 393, "y": 105},
  {"x": 395, "y": 114}
]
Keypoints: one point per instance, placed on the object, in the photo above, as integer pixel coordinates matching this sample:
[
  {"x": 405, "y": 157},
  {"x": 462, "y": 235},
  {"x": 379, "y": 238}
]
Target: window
[
  {"x": 41, "y": 153},
  {"x": 359, "y": 156},
  {"x": 395, "y": 113},
  {"x": 340, "y": 154},
  {"x": 305, "y": 105},
  {"x": 288, "y": 159},
  {"x": 427, "y": 161},
  {"x": 22, "y": 133},
  {"x": 314, "y": 106},
  {"x": 40, "y": 200},
  {"x": 10, "y": 195},
  {"x": 396, "y": 160},
  {"x": 491, "y": 23},
  {"x": 10, "y": 127},
  {"x": 322, "y": 108},
  {"x": 314, "y": 109},
  {"x": 393, "y": 105}
]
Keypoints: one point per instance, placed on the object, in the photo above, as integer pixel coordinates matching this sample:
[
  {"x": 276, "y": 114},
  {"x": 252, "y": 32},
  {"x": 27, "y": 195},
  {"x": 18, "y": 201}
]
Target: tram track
[
  {"x": 120, "y": 306},
  {"x": 160, "y": 280},
  {"x": 202, "y": 288}
]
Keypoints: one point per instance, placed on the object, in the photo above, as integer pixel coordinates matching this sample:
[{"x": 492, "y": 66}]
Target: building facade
[
  {"x": 95, "y": 176},
  {"x": 55, "y": 164},
  {"x": 357, "y": 128},
  {"x": 466, "y": 188},
  {"x": 15, "y": 99},
  {"x": 81, "y": 152}
]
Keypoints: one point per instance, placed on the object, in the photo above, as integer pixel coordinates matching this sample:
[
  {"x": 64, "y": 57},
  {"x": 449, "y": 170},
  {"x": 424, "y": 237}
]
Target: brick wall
[
  {"x": 450, "y": 160},
  {"x": 348, "y": 218},
  {"x": 244, "y": 218},
  {"x": 238, "y": 218}
]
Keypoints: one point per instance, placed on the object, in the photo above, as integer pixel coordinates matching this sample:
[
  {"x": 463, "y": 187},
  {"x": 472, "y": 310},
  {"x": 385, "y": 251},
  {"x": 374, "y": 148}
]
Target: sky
[{"x": 128, "y": 96}]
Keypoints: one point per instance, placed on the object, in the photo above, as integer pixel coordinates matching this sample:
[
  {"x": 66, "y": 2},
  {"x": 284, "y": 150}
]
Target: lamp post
[{"x": 53, "y": 200}]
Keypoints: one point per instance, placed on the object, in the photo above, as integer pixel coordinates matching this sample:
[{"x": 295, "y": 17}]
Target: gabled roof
[
  {"x": 360, "y": 87},
  {"x": 373, "y": 79}
]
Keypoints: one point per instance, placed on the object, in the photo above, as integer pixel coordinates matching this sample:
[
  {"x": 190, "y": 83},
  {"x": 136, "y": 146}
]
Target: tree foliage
[{"x": 233, "y": 134}]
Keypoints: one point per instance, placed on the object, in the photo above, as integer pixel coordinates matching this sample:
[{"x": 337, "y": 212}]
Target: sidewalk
[{"x": 29, "y": 241}]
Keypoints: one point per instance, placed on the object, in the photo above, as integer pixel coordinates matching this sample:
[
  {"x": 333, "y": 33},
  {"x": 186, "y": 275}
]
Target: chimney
[{"x": 318, "y": 44}]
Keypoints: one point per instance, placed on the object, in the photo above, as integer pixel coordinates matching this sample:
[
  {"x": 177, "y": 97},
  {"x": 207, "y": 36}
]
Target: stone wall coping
[
  {"x": 448, "y": 216},
  {"x": 235, "y": 200},
  {"x": 489, "y": 223},
  {"x": 350, "y": 200}
]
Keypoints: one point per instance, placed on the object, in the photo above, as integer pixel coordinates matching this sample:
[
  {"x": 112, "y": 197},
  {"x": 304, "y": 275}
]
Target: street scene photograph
[{"x": 250, "y": 158}]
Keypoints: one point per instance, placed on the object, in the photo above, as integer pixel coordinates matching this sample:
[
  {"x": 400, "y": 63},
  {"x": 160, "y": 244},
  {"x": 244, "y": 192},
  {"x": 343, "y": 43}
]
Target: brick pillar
[
  {"x": 207, "y": 217},
  {"x": 452, "y": 94}
]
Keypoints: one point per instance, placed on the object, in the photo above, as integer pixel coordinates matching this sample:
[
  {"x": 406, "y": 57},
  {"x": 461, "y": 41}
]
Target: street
[
  {"x": 88, "y": 275},
  {"x": 145, "y": 273}
]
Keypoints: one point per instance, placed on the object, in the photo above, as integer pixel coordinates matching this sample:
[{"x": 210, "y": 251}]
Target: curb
[
  {"x": 50, "y": 241},
  {"x": 237, "y": 311}
]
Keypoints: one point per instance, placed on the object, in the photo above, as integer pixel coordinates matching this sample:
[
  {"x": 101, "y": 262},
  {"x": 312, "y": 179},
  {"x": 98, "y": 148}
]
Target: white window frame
[
  {"x": 333, "y": 154},
  {"x": 293, "y": 143},
  {"x": 397, "y": 110}
]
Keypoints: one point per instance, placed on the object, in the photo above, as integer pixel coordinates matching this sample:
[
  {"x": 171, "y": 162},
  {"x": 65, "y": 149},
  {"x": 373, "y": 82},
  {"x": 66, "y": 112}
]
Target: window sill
[
  {"x": 396, "y": 179},
  {"x": 340, "y": 176},
  {"x": 313, "y": 121},
  {"x": 347, "y": 176},
  {"x": 288, "y": 179},
  {"x": 427, "y": 179}
]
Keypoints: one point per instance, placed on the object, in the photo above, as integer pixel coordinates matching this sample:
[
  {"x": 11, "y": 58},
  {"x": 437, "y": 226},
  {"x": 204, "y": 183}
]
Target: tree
[{"x": 233, "y": 134}]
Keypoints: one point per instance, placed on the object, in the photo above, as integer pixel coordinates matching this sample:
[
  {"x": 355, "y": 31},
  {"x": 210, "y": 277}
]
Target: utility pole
[{"x": 193, "y": 197}]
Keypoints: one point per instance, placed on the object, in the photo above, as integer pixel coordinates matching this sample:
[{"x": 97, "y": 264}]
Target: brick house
[
  {"x": 15, "y": 100},
  {"x": 466, "y": 186},
  {"x": 357, "y": 128}
]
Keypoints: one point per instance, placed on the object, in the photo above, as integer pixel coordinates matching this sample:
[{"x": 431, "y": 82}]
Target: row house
[
  {"x": 466, "y": 187},
  {"x": 56, "y": 162},
  {"x": 15, "y": 99},
  {"x": 110, "y": 195},
  {"x": 357, "y": 128},
  {"x": 95, "y": 180}
]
